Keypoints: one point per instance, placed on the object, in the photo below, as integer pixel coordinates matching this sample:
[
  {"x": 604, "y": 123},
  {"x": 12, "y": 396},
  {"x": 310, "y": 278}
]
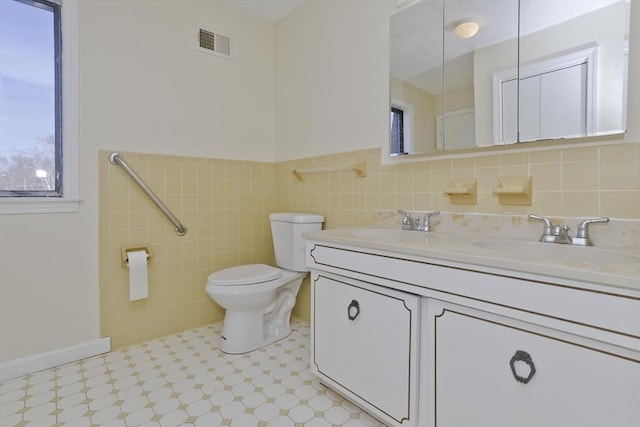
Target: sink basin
[{"x": 559, "y": 252}]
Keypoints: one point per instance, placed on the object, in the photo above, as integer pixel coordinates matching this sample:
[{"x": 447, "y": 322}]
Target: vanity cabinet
[
  {"x": 504, "y": 372},
  {"x": 365, "y": 345},
  {"x": 430, "y": 342}
]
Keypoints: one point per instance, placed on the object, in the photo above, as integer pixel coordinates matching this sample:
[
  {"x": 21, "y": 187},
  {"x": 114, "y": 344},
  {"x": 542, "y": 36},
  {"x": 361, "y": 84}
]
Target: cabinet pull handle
[
  {"x": 353, "y": 310},
  {"x": 522, "y": 356}
]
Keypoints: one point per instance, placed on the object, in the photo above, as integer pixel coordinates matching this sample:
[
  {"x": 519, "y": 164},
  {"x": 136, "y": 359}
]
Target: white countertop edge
[{"x": 486, "y": 261}]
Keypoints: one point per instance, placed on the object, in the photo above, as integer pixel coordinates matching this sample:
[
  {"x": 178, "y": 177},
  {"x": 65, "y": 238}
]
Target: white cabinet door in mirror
[{"x": 555, "y": 98}]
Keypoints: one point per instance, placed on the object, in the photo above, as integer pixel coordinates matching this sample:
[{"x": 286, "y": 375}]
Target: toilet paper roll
[{"x": 138, "y": 283}]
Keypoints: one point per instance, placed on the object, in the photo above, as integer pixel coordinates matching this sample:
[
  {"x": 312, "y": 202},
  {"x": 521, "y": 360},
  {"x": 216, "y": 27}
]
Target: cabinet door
[
  {"x": 529, "y": 106},
  {"x": 364, "y": 344},
  {"x": 563, "y": 102},
  {"x": 498, "y": 372},
  {"x": 550, "y": 104},
  {"x": 509, "y": 119}
]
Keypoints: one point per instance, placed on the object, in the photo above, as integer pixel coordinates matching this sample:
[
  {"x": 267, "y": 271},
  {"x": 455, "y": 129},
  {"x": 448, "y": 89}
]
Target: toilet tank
[{"x": 288, "y": 243}]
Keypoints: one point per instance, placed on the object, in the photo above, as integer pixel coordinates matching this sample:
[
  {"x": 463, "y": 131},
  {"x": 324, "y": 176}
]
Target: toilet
[{"x": 258, "y": 298}]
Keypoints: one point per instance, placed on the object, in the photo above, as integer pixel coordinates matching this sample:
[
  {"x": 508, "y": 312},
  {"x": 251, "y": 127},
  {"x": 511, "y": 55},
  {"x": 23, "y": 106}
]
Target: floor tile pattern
[{"x": 182, "y": 380}]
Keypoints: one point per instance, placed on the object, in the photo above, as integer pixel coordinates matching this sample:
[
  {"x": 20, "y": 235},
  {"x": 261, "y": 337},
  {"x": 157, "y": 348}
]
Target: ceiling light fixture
[{"x": 466, "y": 30}]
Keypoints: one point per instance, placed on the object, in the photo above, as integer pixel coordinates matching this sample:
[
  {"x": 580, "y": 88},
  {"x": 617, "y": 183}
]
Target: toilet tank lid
[
  {"x": 245, "y": 274},
  {"x": 300, "y": 218}
]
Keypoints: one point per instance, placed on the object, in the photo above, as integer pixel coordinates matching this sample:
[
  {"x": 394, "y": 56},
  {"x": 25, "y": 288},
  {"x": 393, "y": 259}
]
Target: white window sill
[{"x": 38, "y": 205}]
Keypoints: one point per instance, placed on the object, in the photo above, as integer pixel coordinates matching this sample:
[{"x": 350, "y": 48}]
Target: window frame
[
  {"x": 407, "y": 126},
  {"x": 399, "y": 113},
  {"x": 66, "y": 200}
]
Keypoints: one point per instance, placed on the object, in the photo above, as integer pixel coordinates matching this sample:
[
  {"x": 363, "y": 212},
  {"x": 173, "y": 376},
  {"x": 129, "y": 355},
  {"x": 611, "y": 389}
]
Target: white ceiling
[{"x": 267, "y": 10}]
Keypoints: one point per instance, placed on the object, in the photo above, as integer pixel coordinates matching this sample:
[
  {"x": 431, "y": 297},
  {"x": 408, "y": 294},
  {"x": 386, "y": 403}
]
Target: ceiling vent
[{"x": 214, "y": 43}]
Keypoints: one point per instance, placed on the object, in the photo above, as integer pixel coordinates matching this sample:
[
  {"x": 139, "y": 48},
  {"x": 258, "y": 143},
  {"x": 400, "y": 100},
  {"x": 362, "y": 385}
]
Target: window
[
  {"x": 30, "y": 99},
  {"x": 38, "y": 74},
  {"x": 397, "y": 131},
  {"x": 401, "y": 127}
]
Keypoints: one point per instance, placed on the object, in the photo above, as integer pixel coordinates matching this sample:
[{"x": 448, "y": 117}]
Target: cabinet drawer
[
  {"x": 364, "y": 344},
  {"x": 484, "y": 374}
]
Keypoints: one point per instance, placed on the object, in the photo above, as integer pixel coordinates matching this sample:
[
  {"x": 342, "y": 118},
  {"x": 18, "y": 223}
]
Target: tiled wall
[
  {"x": 592, "y": 181},
  {"x": 226, "y": 204}
]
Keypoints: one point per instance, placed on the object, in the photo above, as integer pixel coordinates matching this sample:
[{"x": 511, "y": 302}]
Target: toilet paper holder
[{"x": 124, "y": 259}]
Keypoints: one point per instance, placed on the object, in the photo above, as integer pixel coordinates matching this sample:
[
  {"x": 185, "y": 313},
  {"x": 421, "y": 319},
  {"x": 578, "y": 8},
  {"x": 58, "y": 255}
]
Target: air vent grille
[
  {"x": 207, "y": 40},
  {"x": 214, "y": 43}
]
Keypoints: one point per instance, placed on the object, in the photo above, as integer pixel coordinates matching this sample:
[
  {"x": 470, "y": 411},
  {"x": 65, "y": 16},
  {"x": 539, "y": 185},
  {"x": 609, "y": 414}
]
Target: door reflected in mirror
[
  {"x": 560, "y": 72},
  {"x": 573, "y": 63}
]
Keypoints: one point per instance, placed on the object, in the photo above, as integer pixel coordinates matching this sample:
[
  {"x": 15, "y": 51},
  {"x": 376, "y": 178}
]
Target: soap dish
[
  {"x": 514, "y": 190},
  {"x": 463, "y": 191}
]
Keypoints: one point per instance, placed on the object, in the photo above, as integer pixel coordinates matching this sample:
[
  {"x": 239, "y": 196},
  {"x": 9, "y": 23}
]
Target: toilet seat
[{"x": 245, "y": 275}]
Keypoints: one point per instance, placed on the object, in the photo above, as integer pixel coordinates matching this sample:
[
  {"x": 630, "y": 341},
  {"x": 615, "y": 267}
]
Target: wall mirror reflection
[
  {"x": 416, "y": 52},
  {"x": 468, "y": 73}
]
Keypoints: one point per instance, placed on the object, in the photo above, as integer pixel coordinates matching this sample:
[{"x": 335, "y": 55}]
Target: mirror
[
  {"x": 416, "y": 60},
  {"x": 469, "y": 97},
  {"x": 559, "y": 72}
]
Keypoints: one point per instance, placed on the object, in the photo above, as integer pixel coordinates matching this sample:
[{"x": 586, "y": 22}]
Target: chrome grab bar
[{"x": 116, "y": 159}]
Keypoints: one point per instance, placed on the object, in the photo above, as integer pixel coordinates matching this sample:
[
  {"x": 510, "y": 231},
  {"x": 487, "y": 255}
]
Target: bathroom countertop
[{"x": 461, "y": 248}]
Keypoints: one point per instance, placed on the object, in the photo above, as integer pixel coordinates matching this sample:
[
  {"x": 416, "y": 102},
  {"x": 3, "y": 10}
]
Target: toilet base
[
  {"x": 250, "y": 339},
  {"x": 248, "y": 330},
  {"x": 241, "y": 332},
  {"x": 228, "y": 348}
]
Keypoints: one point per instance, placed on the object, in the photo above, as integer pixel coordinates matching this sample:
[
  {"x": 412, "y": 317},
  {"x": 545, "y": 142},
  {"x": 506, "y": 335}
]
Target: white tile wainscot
[{"x": 449, "y": 334}]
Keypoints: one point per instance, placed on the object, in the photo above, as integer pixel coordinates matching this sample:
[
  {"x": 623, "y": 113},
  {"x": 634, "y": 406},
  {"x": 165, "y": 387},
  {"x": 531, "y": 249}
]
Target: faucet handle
[
  {"x": 426, "y": 224},
  {"x": 582, "y": 236},
  {"x": 547, "y": 223},
  {"x": 583, "y": 227},
  {"x": 430, "y": 214}
]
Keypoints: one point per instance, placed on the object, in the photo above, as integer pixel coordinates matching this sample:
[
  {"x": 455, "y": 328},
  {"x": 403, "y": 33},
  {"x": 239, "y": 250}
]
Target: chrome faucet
[
  {"x": 409, "y": 222},
  {"x": 560, "y": 233},
  {"x": 415, "y": 223}
]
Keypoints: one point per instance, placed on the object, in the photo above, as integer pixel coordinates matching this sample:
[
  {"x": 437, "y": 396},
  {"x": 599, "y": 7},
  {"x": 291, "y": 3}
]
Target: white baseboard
[{"x": 30, "y": 364}]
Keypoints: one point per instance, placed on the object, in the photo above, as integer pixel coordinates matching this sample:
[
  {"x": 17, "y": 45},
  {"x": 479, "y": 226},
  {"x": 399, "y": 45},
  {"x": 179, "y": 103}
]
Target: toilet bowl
[{"x": 259, "y": 298}]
